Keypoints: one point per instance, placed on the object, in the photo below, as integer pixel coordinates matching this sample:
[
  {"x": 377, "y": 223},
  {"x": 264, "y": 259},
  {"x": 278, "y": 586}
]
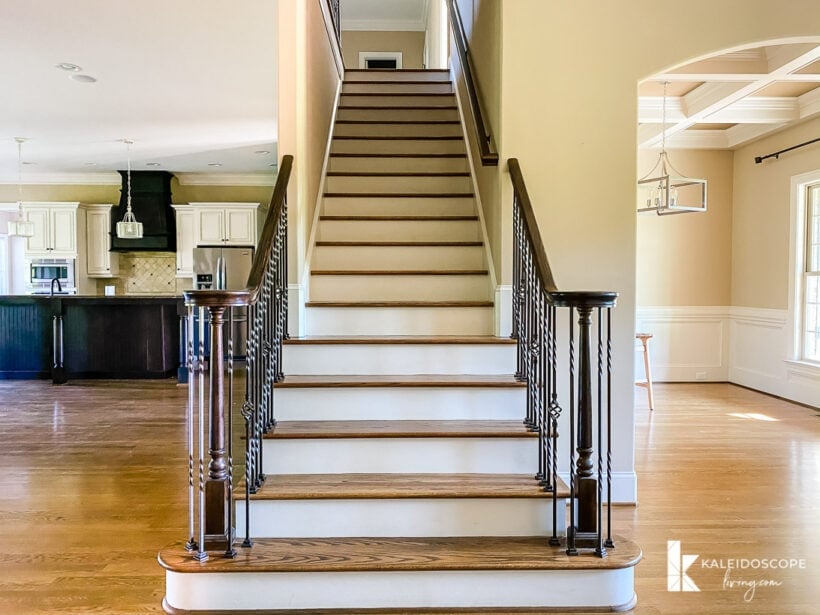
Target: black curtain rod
[{"x": 759, "y": 159}]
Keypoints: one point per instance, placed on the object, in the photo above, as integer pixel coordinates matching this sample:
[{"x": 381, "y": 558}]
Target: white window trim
[
  {"x": 364, "y": 56},
  {"x": 797, "y": 262}
]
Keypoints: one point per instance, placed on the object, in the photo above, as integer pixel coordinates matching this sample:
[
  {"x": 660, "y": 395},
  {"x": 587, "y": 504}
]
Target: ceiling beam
[
  {"x": 710, "y": 98},
  {"x": 743, "y": 133}
]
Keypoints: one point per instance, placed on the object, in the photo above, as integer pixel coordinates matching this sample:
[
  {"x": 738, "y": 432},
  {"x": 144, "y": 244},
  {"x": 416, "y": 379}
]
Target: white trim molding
[
  {"x": 387, "y": 25},
  {"x": 66, "y": 179},
  {"x": 225, "y": 179}
]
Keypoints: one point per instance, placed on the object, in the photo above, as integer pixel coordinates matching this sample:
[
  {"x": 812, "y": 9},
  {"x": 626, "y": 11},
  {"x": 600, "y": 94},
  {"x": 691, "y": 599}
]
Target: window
[{"x": 810, "y": 325}]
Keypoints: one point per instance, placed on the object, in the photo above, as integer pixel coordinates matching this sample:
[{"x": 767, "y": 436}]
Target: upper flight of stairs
[{"x": 400, "y": 474}]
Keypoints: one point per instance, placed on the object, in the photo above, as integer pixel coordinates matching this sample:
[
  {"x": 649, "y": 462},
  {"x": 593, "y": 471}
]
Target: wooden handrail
[
  {"x": 265, "y": 244},
  {"x": 486, "y": 147}
]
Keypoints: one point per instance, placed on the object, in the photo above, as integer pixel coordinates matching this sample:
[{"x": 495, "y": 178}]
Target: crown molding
[
  {"x": 390, "y": 25},
  {"x": 65, "y": 179},
  {"x": 226, "y": 179},
  {"x": 809, "y": 103},
  {"x": 698, "y": 139}
]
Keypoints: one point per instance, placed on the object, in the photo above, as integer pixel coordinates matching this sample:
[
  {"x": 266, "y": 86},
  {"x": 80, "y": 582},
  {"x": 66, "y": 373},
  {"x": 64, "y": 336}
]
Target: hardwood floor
[{"x": 94, "y": 485}]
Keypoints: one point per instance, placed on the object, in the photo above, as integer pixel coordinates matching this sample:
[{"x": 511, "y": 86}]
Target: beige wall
[
  {"x": 761, "y": 216},
  {"x": 578, "y": 148},
  {"x": 307, "y": 85},
  {"x": 482, "y": 20},
  {"x": 687, "y": 259},
  {"x": 411, "y": 45}
]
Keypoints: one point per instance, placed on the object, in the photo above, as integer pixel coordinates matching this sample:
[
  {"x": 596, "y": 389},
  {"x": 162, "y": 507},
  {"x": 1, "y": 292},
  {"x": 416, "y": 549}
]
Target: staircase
[{"x": 399, "y": 475}]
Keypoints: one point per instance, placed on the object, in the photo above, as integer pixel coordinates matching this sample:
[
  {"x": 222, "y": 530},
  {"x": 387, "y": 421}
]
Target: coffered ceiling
[{"x": 728, "y": 100}]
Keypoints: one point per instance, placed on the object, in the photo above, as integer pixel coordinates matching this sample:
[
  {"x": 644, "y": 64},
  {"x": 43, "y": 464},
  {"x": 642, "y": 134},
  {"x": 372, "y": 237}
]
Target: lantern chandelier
[
  {"x": 129, "y": 228},
  {"x": 666, "y": 191},
  {"x": 20, "y": 227}
]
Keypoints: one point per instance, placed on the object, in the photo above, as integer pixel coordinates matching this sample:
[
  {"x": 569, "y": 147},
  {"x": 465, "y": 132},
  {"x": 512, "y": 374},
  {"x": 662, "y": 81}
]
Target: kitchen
[{"x": 80, "y": 302}]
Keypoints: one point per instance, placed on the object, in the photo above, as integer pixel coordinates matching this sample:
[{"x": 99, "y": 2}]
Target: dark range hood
[{"x": 151, "y": 204}]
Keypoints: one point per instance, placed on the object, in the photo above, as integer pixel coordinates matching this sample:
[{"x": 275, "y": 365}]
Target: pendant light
[
  {"x": 129, "y": 228},
  {"x": 20, "y": 227},
  {"x": 666, "y": 191}
]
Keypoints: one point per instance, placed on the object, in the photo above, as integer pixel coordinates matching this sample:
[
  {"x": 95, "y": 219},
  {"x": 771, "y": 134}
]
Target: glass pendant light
[
  {"x": 129, "y": 228},
  {"x": 666, "y": 191},
  {"x": 20, "y": 227}
]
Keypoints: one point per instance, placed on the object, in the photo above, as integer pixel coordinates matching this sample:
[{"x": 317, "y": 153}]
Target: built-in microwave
[{"x": 43, "y": 270}]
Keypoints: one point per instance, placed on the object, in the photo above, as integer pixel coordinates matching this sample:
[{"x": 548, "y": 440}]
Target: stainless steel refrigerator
[{"x": 226, "y": 268}]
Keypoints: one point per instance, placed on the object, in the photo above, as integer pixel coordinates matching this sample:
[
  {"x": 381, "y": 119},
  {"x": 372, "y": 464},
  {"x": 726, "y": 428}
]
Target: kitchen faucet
[{"x": 59, "y": 286}]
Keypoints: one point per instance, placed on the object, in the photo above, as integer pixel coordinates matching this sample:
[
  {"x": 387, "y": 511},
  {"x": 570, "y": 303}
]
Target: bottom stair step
[{"x": 283, "y": 575}]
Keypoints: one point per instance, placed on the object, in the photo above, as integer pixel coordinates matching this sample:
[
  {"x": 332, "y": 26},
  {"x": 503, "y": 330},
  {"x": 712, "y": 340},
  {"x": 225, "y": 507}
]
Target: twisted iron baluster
[
  {"x": 555, "y": 414},
  {"x": 191, "y": 544},
  {"x": 609, "y": 544},
  {"x": 599, "y": 543},
  {"x": 230, "y": 552},
  {"x": 571, "y": 530},
  {"x": 200, "y": 554}
]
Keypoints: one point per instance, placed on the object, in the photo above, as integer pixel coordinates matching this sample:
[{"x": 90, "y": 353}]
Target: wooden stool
[{"x": 644, "y": 337}]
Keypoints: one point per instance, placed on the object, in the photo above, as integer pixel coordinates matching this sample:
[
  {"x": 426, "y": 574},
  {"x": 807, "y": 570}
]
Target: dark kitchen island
[{"x": 74, "y": 336}]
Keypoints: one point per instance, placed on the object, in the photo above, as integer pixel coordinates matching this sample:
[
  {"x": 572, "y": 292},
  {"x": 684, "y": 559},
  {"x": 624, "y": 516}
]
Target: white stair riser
[
  {"x": 410, "y": 404},
  {"x": 398, "y": 146},
  {"x": 400, "y": 288},
  {"x": 400, "y": 517},
  {"x": 399, "y": 359},
  {"x": 394, "y": 206},
  {"x": 400, "y": 321},
  {"x": 601, "y": 589},
  {"x": 399, "y": 184},
  {"x": 401, "y": 455},
  {"x": 397, "y": 88},
  {"x": 398, "y": 165},
  {"x": 397, "y": 130},
  {"x": 397, "y": 113},
  {"x": 387, "y": 100},
  {"x": 398, "y": 230},
  {"x": 398, "y": 257},
  {"x": 398, "y": 75}
]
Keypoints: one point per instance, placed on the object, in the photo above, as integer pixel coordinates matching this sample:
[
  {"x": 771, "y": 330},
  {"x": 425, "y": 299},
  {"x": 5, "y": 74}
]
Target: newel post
[
  {"x": 587, "y": 483},
  {"x": 217, "y": 487}
]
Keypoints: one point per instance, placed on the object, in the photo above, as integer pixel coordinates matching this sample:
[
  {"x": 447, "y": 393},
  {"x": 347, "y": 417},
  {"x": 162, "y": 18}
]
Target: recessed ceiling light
[
  {"x": 28, "y": 162},
  {"x": 73, "y": 68},
  {"x": 89, "y": 164},
  {"x": 261, "y": 152},
  {"x": 83, "y": 78},
  {"x": 273, "y": 164},
  {"x": 152, "y": 164},
  {"x": 214, "y": 164}
]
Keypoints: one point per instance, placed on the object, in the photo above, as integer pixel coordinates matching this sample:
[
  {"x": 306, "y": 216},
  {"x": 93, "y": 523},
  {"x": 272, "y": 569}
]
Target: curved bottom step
[{"x": 400, "y": 574}]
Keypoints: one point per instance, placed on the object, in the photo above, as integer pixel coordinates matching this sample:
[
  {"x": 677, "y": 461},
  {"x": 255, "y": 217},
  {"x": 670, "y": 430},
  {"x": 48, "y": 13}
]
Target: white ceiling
[
  {"x": 726, "y": 101},
  {"x": 393, "y": 15},
  {"x": 191, "y": 82}
]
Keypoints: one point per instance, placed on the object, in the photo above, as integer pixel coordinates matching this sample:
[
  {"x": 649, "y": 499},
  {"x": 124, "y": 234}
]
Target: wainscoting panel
[{"x": 690, "y": 343}]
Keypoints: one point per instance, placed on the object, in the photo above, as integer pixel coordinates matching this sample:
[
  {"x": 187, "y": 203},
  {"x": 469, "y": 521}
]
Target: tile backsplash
[{"x": 146, "y": 273}]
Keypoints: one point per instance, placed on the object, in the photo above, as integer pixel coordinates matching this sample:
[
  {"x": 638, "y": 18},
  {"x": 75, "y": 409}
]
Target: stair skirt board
[
  {"x": 400, "y": 455},
  {"x": 399, "y": 320},
  {"x": 401, "y": 517},
  {"x": 412, "y": 404},
  {"x": 397, "y": 359},
  {"x": 479, "y": 589}
]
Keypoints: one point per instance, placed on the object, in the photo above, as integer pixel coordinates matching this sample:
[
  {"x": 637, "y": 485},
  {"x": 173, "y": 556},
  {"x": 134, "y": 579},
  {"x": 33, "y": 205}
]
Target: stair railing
[
  {"x": 210, "y": 360},
  {"x": 536, "y": 308},
  {"x": 489, "y": 155}
]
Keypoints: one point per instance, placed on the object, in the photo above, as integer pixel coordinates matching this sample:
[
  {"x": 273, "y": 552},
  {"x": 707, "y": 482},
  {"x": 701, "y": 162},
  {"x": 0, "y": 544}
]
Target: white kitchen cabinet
[
  {"x": 55, "y": 230},
  {"x": 100, "y": 261},
  {"x": 228, "y": 224},
  {"x": 185, "y": 240}
]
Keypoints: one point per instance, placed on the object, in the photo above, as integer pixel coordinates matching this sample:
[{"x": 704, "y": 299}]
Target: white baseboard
[{"x": 503, "y": 310}]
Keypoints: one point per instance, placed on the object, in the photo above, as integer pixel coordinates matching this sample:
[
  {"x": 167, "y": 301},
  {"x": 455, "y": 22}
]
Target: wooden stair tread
[
  {"x": 294, "y": 430},
  {"x": 393, "y": 82},
  {"x": 391, "y": 94},
  {"x": 400, "y": 122},
  {"x": 297, "y": 381},
  {"x": 396, "y": 155},
  {"x": 393, "y": 272},
  {"x": 405, "y": 138},
  {"x": 369, "y": 218},
  {"x": 393, "y": 107},
  {"x": 362, "y": 486},
  {"x": 401, "y": 339},
  {"x": 401, "y": 195},
  {"x": 397, "y": 70},
  {"x": 398, "y": 174},
  {"x": 403, "y": 244},
  {"x": 394, "y": 554},
  {"x": 399, "y": 304}
]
